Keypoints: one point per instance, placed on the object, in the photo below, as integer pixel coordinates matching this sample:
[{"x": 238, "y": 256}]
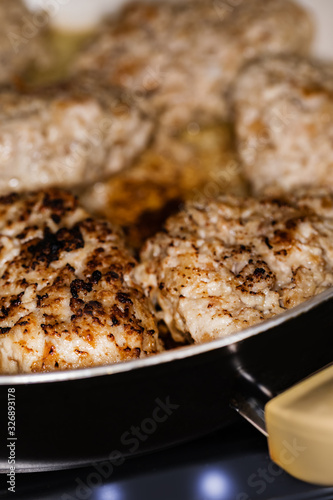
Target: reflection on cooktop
[{"x": 231, "y": 464}]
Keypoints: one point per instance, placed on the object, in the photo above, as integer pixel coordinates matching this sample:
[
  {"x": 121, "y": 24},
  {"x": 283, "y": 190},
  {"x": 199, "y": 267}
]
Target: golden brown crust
[{"x": 67, "y": 299}]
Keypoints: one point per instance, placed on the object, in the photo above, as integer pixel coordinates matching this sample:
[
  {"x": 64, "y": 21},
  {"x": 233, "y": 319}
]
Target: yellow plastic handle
[{"x": 299, "y": 423}]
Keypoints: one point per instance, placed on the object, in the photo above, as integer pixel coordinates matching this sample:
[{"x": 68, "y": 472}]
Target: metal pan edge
[{"x": 168, "y": 356}]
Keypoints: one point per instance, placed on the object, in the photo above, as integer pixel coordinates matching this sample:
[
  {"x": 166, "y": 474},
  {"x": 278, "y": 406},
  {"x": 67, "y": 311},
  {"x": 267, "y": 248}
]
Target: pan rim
[{"x": 167, "y": 356}]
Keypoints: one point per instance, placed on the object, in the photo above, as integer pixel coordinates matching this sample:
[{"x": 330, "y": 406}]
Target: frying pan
[{"x": 80, "y": 417}]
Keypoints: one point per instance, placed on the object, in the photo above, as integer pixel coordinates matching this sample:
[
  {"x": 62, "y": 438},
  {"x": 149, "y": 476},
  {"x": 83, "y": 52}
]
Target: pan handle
[{"x": 299, "y": 424}]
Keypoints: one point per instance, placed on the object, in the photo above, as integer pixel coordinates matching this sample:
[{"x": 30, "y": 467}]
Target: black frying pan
[{"x": 78, "y": 417}]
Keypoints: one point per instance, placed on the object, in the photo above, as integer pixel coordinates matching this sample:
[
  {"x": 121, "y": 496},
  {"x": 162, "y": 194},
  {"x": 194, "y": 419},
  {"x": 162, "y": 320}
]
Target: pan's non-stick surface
[{"x": 77, "y": 418}]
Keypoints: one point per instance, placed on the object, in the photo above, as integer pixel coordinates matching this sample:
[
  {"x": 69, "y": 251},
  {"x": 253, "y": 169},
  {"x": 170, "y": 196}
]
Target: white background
[{"x": 83, "y": 14}]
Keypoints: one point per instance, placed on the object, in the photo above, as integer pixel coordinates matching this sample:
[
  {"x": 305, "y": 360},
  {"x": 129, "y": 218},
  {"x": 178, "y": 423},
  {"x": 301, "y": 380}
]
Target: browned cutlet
[
  {"x": 67, "y": 299},
  {"x": 227, "y": 264}
]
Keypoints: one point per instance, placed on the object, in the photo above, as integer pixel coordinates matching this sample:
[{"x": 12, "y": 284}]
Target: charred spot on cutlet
[
  {"x": 114, "y": 275},
  {"x": 40, "y": 299},
  {"x": 96, "y": 277},
  {"x": 268, "y": 243},
  {"x": 259, "y": 272},
  {"x": 23, "y": 323},
  {"x": 93, "y": 307},
  {"x": 79, "y": 286},
  {"x": 58, "y": 203},
  {"x": 17, "y": 301},
  {"x": 56, "y": 218},
  {"x": 49, "y": 248},
  {"x": 5, "y": 312},
  {"x": 76, "y": 306},
  {"x": 114, "y": 320},
  {"x": 124, "y": 298},
  {"x": 70, "y": 239},
  {"x": 9, "y": 199},
  {"x": 5, "y": 329},
  {"x": 117, "y": 315}
]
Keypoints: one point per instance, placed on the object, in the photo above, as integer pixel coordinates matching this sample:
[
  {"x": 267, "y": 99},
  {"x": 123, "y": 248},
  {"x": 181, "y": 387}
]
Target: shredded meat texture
[
  {"x": 283, "y": 113},
  {"x": 67, "y": 299},
  {"x": 181, "y": 57},
  {"x": 21, "y": 42},
  {"x": 67, "y": 135},
  {"x": 222, "y": 266}
]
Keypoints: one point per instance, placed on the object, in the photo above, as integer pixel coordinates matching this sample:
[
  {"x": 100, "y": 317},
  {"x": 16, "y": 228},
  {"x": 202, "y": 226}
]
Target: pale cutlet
[
  {"x": 283, "y": 111},
  {"x": 224, "y": 265},
  {"x": 67, "y": 135},
  {"x": 67, "y": 299},
  {"x": 180, "y": 58}
]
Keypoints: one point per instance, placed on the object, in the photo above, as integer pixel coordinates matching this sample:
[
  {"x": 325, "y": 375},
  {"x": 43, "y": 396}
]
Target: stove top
[{"x": 232, "y": 464}]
